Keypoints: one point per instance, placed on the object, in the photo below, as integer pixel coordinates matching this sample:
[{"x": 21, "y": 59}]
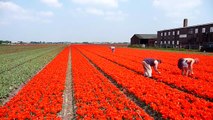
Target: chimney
[{"x": 185, "y": 22}]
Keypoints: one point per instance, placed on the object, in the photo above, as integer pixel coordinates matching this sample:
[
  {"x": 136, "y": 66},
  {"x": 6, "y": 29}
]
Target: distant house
[
  {"x": 5, "y": 42},
  {"x": 146, "y": 39}
]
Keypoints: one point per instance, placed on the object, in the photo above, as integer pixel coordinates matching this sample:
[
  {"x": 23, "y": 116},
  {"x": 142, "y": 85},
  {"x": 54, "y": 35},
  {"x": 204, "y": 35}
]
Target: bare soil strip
[
  {"x": 149, "y": 110},
  {"x": 68, "y": 112}
]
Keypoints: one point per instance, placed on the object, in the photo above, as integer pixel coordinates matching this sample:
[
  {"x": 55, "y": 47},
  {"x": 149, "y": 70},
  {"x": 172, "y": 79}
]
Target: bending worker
[
  {"x": 147, "y": 63},
  {"x": 186, "y": 65},
  {"x": 113, "y": 49}
]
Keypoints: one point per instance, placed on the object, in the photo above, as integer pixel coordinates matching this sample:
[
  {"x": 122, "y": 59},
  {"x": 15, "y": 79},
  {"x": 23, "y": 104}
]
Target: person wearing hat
[
  {"x": 186, "y": 65},
  {"x": 148, "y": 63}
]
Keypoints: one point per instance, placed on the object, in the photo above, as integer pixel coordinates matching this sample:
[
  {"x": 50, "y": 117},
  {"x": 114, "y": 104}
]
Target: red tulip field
[{"x": 110, "y": 85}]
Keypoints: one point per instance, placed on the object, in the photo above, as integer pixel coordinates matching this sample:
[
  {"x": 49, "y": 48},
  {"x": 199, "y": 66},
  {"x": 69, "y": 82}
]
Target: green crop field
[{"x": 18, "y": 63}]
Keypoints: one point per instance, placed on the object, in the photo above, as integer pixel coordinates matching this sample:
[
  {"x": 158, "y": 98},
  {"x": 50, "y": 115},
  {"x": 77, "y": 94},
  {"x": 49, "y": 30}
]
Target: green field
[{"x": 18, "y": 63}]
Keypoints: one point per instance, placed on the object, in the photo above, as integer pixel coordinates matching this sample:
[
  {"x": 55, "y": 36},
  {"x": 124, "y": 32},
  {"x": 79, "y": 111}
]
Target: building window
[
  {"x": 173, "y": 33},
  {"x": 177, "y": 42},
  {"x": 196, "y": 30},
  {"x": 161, "y": 42},
  {"x": 168, "y": 33},
  {"x": 173, "y": 42},
  {"x": 203, "y": 30},
  {"x": 190, "y": 31},
  {"x": 168, "y": 42},
  {"x": 164, "y": 42},
  {"x": 161, "y": 34},
  {"x": 165, "y": 34},
  {"x": 211, "y": 29},
  {"x": 178, "y": 32}
]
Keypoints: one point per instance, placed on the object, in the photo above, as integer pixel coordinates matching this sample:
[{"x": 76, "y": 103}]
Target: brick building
[{"x": 186, "y": 36}]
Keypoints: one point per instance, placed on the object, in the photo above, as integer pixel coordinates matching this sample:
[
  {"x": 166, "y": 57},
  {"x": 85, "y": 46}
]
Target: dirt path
[{"x": 68, "y": 103}]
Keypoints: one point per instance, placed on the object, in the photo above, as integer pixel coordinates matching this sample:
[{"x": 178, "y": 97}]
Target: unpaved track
[{"x": 68, "y": 103}]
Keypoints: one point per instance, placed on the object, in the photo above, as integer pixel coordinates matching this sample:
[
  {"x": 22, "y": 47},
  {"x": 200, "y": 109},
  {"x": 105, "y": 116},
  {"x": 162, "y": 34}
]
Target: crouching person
[
  {"x": 148, "y": 63},
  {"x": 112, "y": 49},
  {"x": 186, "y": 65}
]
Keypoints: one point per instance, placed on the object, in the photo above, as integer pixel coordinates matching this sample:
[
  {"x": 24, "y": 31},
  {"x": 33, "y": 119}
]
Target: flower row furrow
[
  {"x": 96, "y": 97},
  {"x": 171, "y": 103},
  {"x": 201, "y": 87}
]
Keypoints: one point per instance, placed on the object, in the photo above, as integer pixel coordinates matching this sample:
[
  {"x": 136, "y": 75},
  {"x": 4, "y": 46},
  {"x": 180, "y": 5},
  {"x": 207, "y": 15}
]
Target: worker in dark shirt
[
  {"x": 186, "y": 65},
  {"x": 148, "y": 63}
]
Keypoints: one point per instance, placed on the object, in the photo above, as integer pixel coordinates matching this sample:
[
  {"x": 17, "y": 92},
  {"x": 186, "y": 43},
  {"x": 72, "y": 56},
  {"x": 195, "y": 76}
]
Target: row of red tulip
[
  {"x": 200, "y": 86},
  {"x": 96, "y": 97},
  {"x": 171, "y": 103},
  {"x": 169, "y": 59},
  {"x": 41, "y": 97}
]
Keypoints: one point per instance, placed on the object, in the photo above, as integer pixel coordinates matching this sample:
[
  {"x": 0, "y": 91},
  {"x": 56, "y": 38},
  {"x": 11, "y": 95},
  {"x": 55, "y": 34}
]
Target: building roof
[
  {"x": 146, "y": 36},
  {"x": 187, "y": 27}
]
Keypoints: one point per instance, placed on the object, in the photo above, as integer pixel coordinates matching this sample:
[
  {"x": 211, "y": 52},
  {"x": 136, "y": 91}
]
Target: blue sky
[{"x": 96, "y": 20}]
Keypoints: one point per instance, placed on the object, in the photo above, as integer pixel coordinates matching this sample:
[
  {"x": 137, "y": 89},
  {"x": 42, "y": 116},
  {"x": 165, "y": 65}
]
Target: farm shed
[{"x": 146, "y": 39}]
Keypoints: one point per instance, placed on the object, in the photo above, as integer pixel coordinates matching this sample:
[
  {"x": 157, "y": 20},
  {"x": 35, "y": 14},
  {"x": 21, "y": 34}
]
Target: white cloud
[
  {"x": 94, "y": 11},
  {"x": 176, "y": 4},
  {"x": 3, "y": 22},
  {"x": 46, "y": 14},
  {"x": 52, "y": 3},
  {"x": 107, "y": 9},
  {"x": 115, "y": 15},
  {"x": 112, "y": 15},
  {"x": 178, "y": 8},
  {"x": 12, "y": 12},
  {"x": 103, "y": 3},
  {"x": 10, "y": 6}
]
